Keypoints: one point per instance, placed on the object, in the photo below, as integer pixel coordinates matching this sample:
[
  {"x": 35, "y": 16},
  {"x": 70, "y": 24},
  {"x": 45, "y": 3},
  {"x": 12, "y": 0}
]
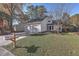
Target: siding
[
  {"x": 19, "y": 27},
  {"x": 44, "y": 23},
  {"x": 34, "y": 28}
]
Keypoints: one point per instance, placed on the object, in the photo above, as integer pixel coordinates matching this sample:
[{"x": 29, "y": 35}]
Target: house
[
  {"x": 19, "y": 27},
  {"x": 46, "y": 24}
]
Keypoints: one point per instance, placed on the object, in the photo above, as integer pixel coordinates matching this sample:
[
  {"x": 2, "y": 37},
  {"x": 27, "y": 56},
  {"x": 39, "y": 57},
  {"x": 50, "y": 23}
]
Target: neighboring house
[{"x": 46, "y": 24}]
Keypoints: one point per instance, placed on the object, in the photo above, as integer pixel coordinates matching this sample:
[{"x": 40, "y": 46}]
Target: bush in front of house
[{"x": 72, "y": 28}]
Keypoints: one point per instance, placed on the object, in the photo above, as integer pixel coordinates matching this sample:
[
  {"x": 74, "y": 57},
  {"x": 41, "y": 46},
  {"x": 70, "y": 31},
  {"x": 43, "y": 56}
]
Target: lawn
[{"x": 47, "y": 45}]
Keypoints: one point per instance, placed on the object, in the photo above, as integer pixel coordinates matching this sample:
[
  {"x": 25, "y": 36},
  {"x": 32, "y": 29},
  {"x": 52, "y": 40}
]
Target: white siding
[
  {"x": 38, "y": 27},
  {"x": 34, "y": 28},
  {"x": 44, "y": 23}
]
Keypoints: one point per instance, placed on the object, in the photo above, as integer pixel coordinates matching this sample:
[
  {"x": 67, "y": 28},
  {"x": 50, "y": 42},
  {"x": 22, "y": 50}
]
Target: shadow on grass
[
  {"x": 39, "y": 34},
  {"x": 64, "y": 33},
  {"x": 29, "y": 49}
]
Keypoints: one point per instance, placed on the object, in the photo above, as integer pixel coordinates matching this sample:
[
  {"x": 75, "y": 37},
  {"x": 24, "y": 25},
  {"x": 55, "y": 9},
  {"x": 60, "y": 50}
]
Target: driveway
[{"x": 4, "y": 41}]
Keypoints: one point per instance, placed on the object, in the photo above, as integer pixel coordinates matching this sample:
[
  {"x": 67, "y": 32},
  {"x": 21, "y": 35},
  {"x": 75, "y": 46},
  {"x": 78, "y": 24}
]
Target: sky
[
  {"x": 49, "y": 6},
  {"x": 74, "y": 6}
]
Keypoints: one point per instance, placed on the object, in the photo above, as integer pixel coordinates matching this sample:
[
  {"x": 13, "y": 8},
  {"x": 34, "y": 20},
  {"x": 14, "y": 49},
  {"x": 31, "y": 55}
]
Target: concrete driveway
[
  {"x": 3, "y": 42},
  {"x": 4, "y": 39}
]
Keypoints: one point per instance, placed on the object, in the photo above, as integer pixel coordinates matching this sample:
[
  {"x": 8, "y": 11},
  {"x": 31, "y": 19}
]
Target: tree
[
  {"x": 66, "y": 21},
  {"x": 21, "y": 14},
  {"x": 41, "y": 11},
  {"x": 74, "y": 19},
  {"x": 10, "y": 7},
  {"x": 61, "y": 12},
  {"x": 15, "y": 10},
  {"x": 31, "y": 12},
  {"x": 5, "y": 17},
  {"x": 36, "y": 12}
]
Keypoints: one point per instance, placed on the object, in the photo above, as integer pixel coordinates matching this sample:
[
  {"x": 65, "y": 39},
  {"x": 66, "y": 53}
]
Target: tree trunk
[
  {"x": 14, "y": 40},
  {"x": 11, "y": 27},
  {"x": 2, "y": 30}
]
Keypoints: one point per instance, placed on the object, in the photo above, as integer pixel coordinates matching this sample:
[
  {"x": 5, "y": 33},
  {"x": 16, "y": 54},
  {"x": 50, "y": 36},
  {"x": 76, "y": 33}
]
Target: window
[{"x": 48, "y": 21}]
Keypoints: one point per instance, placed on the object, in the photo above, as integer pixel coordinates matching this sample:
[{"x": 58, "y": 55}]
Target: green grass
[{"x": 50, "y": 45}]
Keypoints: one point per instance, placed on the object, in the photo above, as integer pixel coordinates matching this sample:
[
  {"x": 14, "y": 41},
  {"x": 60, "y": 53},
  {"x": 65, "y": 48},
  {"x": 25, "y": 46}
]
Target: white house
[{"x": 47, "y": 24}]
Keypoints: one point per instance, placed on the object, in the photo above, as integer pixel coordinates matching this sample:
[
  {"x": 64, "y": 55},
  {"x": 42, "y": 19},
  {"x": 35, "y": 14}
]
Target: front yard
[{"x": 50, "y": 44}]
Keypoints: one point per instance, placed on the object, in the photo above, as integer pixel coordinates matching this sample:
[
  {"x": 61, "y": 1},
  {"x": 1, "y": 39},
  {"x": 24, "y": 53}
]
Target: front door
[{"x": 49, "y": 27}]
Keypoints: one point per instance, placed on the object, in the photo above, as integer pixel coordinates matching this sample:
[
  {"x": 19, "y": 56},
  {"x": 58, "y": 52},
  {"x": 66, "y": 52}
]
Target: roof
[
  {"x": 36, "y": 20},
  {"x": 33, "y": 23}
]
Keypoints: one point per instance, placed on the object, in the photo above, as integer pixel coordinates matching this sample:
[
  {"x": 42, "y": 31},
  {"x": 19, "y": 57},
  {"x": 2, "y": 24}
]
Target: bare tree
[
  {"x": 61, "y": 12},
  {"x": 16, "y": 12},
  {"x": 10, "y": 7}
]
